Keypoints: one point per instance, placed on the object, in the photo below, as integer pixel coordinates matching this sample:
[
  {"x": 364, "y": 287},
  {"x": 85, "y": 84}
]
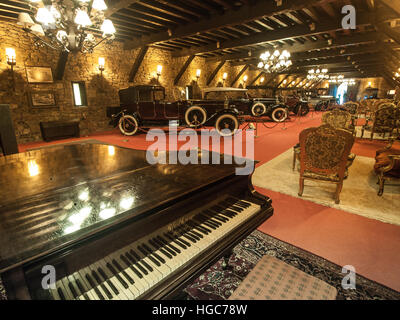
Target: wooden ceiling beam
[
  {"x": 276, "y": 35},
  {"x": 214, "y": 73},
  {"x": 183, "y": 69},
  {"x": 243, "y": 14},
  {"x": 115, "y": 7},
  {"x": 239, "y": 75},
  {"x": 137, "y": 63},
  {"x": 307, "y": 46}
]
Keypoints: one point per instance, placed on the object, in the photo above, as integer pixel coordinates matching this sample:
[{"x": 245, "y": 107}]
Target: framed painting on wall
[
  {"x": 42, "y": 99},
  {"x": 39, "y": 74}
]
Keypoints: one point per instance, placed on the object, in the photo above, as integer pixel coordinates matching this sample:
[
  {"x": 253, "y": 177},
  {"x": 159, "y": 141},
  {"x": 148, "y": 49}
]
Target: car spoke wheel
[
  {"x": 258, "y": 109},
  {"x": 279, "y": 114},
  {"x": 195, "y": 116},
  {"x": 128, "y": 125},
  {"x": 226, "y": 124}
]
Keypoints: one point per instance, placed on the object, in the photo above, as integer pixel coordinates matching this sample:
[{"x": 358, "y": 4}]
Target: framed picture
[
  {"x": 42, "y": 99},
  {"x": 39, "y": 74}
]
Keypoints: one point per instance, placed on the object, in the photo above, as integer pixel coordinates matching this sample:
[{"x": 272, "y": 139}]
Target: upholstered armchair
[
  {"x": 387, "y": 166},
  {"x": 352, "y": 107},
  {"x": 324, "y": 153},
  {"x": 337, "y": 119},
  {"x": 383, "y": 120}
]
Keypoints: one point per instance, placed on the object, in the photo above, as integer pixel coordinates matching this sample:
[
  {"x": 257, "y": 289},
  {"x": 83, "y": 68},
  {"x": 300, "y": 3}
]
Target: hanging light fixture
[
  {"x": 275, "y": 62},
  {"x": 318, "y": 74},
  {"x": 66, "y": 24}
]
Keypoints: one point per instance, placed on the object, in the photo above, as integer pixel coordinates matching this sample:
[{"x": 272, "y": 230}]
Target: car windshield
[
  {"x": 158, "y": 95},
  {"x": 223, "y": 95},
  {"x": 151, "y": 95}
]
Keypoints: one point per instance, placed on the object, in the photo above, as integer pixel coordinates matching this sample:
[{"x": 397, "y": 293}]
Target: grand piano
[{"x": 105, "y": 224}]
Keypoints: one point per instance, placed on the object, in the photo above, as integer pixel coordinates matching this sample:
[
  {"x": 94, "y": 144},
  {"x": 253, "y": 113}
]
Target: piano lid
[{"x": 56, "y": 196}]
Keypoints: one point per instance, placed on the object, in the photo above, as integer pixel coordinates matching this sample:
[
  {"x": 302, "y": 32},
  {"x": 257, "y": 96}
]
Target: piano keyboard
[{"x": 134, "y": 269}]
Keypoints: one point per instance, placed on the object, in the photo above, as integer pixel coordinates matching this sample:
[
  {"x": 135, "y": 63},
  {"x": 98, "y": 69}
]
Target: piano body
[{"x": 115, "y": 227}]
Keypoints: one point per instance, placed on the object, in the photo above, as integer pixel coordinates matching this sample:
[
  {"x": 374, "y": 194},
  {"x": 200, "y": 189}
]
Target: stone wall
[{"x": 102, "y": 90}]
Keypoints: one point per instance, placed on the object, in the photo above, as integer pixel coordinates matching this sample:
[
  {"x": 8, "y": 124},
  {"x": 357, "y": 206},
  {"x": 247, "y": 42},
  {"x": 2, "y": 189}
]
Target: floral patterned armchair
[
  {"x": 387, "y": 166},
  {"x": 384, "y": 120},
  {"x": 337, "y": 119},
  {"x": 324, "y": 153}
]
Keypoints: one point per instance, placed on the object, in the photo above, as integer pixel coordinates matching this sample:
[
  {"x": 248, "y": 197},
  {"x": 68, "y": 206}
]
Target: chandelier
[
  {"x": 275, "y": 62},
  {"x": 68, "y": 24},
  {"x": 341, "y": 79},
  {"x": 318, "y": 74}
]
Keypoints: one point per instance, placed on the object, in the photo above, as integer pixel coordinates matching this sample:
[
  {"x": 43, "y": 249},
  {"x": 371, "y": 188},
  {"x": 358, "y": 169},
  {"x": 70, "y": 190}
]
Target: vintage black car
[
  {"x": 145, "y": 106},
  {"x": 246, "y": 105}
]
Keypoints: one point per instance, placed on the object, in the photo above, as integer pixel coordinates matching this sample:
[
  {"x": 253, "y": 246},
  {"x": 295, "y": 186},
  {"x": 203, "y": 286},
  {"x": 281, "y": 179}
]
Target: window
[
  {"x": 145, "y": 96},
  {"x": 79, "y": 91}
]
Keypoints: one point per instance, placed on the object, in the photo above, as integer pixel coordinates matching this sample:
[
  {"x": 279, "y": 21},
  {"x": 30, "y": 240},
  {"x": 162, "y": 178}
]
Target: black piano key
[
  {"x": 116, "y": 274},
  {"x": 82, "y": 289},
  {"x": 157, "y": 246},
  {"x": 154, "y": 253},
  {"x": 208, "y": 224},
  {"x": 177, "y": 241},
  {"x": 245, "y": 204},
  {"x": 73, "y": 291},
  {"x": 136, "y": 271},
  {"x": 61, "y": 293},
  {"x": 175, "y": 236},
  {"x": 100, "y": 282},
  {"x": 188, "y": 232},
  {"x": 94, "y": 286},
  {"x": 147, "y": 266},
  {"x": 190, "y": 238},
  {"x": 105, "y": 278},
  {"x": 121, "y": 270},
  {"x": 149, "y": 255},
  {"x": 198, "y": 227},
  {"x": 169, "y": 244},
  {"x": 136, "y": 263},
  {"x": 218, "y": 217},
  {"x": 211, "y": 220},
  {"x": 164, "y": 247},
  {"x": 198, "y": 235}
]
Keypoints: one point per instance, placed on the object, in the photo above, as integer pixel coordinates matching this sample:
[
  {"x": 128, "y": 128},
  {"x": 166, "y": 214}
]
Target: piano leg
[{"x": 225, "y": 261}]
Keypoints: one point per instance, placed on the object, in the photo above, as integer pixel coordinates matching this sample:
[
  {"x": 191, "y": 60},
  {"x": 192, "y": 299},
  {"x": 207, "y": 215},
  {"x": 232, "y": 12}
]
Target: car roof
[
  {"x": 223, "y": 89},
  {"x": 147, "y": 87}
]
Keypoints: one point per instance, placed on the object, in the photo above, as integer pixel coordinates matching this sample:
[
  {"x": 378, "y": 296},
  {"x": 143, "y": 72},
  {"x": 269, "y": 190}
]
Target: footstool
[{"x": 273, "y": 279}]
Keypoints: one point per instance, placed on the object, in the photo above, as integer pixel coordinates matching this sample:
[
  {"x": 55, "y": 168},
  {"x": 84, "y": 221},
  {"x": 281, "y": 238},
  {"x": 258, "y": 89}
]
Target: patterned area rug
[
  {"x": 359, "y": 193},
  {"x": 219, "y": 284}
]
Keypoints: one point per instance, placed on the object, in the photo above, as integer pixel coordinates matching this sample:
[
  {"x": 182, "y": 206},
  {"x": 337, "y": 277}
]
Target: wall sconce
[
  {"x": 102, "y": 62},
  {"x": 11, "y": 61},
  {"x": 159, "y": 71},
  {"x": 262, "y": 80},
  {"x": 369, "y": 84},
  {"x": 245, "y": 80},
  {"x": 224, "y": 76},
  {"x": 198, "y": 73}
]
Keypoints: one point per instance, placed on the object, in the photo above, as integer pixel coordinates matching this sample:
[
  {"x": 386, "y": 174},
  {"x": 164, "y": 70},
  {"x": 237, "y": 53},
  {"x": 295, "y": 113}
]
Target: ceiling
[{"x": 239, "y": 30}]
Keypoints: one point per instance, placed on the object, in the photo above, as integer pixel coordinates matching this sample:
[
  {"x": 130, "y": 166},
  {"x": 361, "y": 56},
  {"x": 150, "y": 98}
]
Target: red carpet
[{"x": 370, "y": 246}]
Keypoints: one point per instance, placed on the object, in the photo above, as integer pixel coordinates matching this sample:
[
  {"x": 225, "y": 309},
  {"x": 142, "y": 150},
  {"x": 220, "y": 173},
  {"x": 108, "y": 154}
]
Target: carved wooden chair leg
[
  {"x": 381, "y": 181},
  {"x": 225, "y": 261},
  {"x": 337, "y": 193},
  {"x": 301, "y": 189},
  {"x": 294, "y": 159}
]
